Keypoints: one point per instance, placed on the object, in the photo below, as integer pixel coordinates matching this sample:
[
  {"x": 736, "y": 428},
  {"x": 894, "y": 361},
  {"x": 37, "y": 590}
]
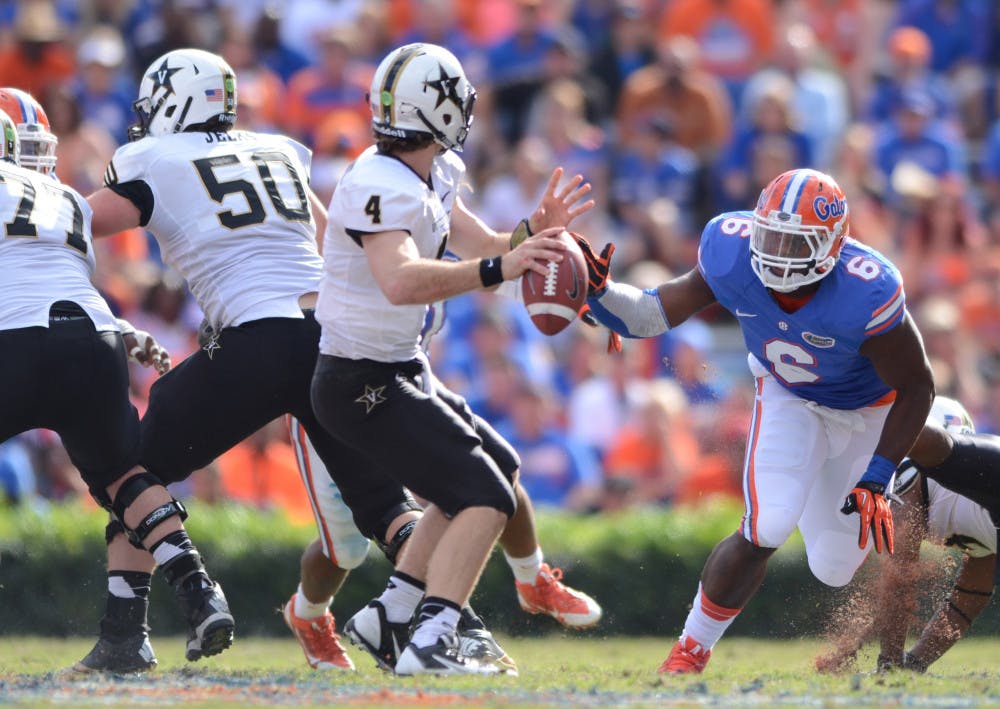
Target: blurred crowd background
[{"x": 674, "y": 110}]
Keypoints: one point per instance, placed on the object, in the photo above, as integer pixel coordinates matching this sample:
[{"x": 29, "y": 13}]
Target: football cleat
[
  {"x": 126, "y": 656},
  {"x": 480, "y": 645},
  {"x": 370, "y": 630},
  {"x": 211, "y": 624},
  {"x": 686, "y": 657},
  {"x": 548, "y": 595},
  {"x": 444, "y": 657},
  {"x": 318, "y": 639}
]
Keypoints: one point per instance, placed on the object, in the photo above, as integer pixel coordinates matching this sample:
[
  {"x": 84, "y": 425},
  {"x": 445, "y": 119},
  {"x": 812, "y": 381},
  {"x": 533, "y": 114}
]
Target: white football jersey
[
  {"x": 231, "y": 214},
  {"x": 959, "y": 521},
  {"x": 380, "y": 193},
  {"x": 46, "y": 251}
]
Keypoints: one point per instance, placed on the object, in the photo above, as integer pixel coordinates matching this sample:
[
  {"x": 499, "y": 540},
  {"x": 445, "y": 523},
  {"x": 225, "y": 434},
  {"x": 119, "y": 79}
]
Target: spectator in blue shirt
[
  {"x": 910, "y": 57},
  {"x": 913, "y": 136},
  {"x": 555, "y": 471},
  {"x": 103, "y": 87},
  {"x": 958, "y": 30}
]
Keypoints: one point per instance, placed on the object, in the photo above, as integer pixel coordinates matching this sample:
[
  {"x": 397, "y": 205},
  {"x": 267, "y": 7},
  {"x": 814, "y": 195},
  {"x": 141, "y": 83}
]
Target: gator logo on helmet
[{"x": 829, "y": 208}]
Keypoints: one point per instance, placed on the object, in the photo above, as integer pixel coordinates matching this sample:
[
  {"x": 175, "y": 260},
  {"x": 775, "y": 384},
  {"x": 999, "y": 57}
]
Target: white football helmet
[
  {"x": 183, "y": 88},
  {"x": 38, "y": 142},
  {"x": 421, "y": 89},
  {"x": 952, "y": 415},
  {"x": 10, "y": 147}
]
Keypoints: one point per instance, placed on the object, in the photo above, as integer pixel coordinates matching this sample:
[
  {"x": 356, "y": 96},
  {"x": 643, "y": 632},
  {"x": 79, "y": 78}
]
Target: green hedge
[{"x": 643, "y": 567}]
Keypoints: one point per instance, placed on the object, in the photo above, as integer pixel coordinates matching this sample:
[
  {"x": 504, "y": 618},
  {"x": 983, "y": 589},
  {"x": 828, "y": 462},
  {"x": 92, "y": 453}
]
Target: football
[{"x": 553, "y": 300}]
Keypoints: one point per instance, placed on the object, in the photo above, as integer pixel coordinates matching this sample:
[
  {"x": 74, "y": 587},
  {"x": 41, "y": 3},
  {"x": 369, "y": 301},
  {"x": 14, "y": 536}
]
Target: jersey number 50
[{"x": 218, "y": 189}]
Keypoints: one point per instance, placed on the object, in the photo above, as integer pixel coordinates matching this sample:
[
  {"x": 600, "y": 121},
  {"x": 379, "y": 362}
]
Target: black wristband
[{"x": 490, "y": 271}]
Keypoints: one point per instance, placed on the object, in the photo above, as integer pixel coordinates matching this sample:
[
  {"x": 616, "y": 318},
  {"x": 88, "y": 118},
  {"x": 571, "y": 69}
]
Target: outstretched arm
[{"x": 632, "y": 312}]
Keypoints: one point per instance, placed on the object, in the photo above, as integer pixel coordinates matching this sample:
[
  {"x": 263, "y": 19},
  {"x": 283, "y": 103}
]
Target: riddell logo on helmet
[{"x": 825, "y": 208}]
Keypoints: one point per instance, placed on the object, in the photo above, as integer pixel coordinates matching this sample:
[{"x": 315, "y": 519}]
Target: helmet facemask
[{"x": 787, "y": 255}]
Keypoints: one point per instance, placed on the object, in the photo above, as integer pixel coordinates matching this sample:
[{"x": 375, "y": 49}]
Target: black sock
[
  {"x": 126, "y": 615},
  {"x": 183, "y": 566}
]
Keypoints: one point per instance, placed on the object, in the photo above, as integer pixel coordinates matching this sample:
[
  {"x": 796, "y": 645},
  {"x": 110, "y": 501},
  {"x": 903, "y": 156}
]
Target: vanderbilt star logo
[
  {"x": 211, "y": 346},
  {"x": 161, "y": 77},
  {"x": 371, "y": 398},
  {"x": 446, "y": 87}
]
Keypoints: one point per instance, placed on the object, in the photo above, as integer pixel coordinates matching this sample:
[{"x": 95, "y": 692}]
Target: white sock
[
  {"x": 400, "y": 599},
  {"x": 707, "y": 621},
  {"x": 304, "y": 608},
  {"x": 526, "y": 569}
]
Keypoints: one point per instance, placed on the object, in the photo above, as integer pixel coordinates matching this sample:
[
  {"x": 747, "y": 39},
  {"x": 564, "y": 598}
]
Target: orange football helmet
[
  {"x": 798, "y": 229},
  {"x": 10, "y": 145},
  {"x": 38, "y": 142}
]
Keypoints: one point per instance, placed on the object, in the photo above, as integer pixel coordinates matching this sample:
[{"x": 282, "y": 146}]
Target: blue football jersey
[{"x": 813, "y": 352}]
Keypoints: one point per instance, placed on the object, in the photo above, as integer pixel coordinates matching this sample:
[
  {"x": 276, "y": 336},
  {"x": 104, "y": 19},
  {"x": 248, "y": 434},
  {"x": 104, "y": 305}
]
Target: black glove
[{"x": 598, "y": 267}]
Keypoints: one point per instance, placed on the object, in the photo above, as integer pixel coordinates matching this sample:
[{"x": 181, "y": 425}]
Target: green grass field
[{"x": 555, "y": 671}]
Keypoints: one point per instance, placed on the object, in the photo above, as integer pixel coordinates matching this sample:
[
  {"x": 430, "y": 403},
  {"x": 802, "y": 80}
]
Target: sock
[
  {"x": 401, "y": 597},
  {"x": 129, "y": 584},
  {"x": 526, "y": 569},
  {"x": 172, "y": 545},
  {"x": 304, "y": 608},
  {"x": 180, "y": 561},
  {"x": 127, "y": 604},
  {"x": 707, "y": 621},
  {"x": 437, "y": 617}
]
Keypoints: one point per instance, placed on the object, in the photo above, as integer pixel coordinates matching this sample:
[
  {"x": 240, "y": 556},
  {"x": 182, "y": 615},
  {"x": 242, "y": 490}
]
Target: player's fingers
[
  {"x": 138, "y": 354},
  {"x": 569, "y": 187},
  {"x": 554, "y": 181},
  {"x": 579, "y": 209},
  {"x": 578, "y": 194}
]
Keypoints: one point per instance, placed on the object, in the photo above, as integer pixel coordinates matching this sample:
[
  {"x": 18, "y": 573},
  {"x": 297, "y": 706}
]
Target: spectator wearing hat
[
  {"x": 958, "y": 31},
  {"x": 39, "y": 56},
  {"x": 103, "y": 86},
  {"x": 914, "y": 136},
  {"x": 908, "y": 68}
]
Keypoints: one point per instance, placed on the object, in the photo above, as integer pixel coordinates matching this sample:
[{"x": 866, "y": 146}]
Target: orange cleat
[
  {"x": 318, "y": 639},
  {"x": 548, "y": 595},
  {"x": 686, "y": 658}
]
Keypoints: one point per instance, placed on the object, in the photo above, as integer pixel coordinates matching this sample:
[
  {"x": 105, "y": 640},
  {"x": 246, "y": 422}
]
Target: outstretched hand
[
  {"x": 598, "y": 267},
  {"x": 560, "y": 205}
]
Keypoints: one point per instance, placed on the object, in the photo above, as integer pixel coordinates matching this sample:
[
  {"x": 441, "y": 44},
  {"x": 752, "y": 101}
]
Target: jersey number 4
[{"x": 218, "y": 189}]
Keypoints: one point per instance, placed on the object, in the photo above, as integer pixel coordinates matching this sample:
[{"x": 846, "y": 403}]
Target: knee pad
[{"x": 128, "y": 493}]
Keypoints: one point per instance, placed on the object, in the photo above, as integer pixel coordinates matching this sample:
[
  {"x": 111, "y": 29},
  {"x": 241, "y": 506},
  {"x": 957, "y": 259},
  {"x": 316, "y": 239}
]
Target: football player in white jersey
[
  {"x": 233, "y": 212},
  {"x": 63, "y": 366},
  {"x": 948, "y": 454},
  {"x": 394, "y": 215}
]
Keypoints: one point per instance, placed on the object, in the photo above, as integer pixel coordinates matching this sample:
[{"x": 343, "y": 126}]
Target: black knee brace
[
  {"x": 127, "y": 494},
  {"x": 392, "y": 547},
  {"x": 378, "y": 529}
]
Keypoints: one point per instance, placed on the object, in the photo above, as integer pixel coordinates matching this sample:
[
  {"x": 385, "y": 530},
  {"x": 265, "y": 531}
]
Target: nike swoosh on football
[
  {"x": 741, "y": 314},
  {"x": 572, "y": 294}
]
